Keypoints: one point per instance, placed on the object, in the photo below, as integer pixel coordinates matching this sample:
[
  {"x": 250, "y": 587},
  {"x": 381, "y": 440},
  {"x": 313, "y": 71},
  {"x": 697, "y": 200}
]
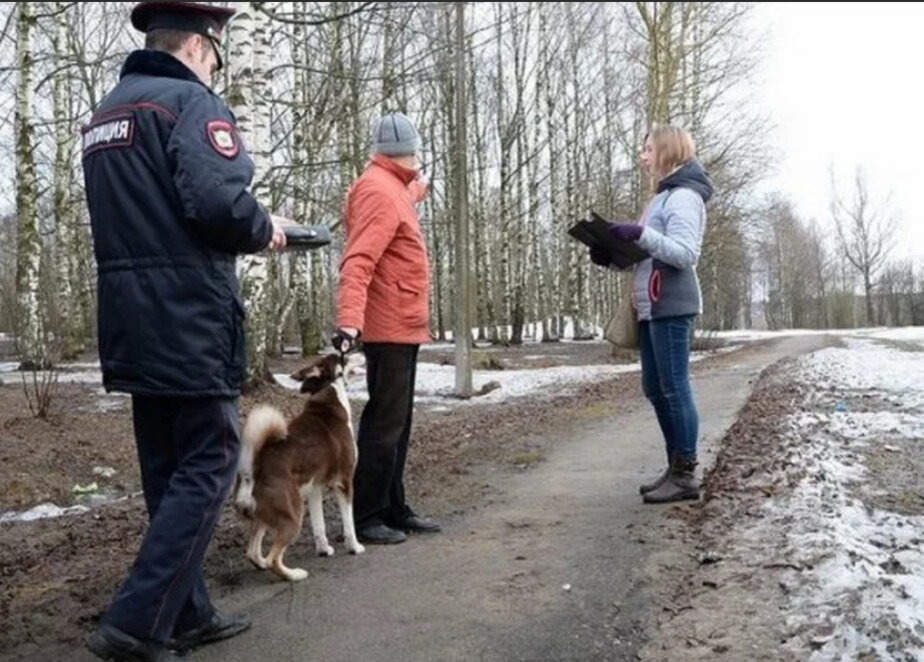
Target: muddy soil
[{"x": 56, "y": 575}]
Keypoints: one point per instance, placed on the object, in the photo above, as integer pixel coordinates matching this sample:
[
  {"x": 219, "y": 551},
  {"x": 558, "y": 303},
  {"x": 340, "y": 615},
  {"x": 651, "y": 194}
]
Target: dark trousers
[
  {"x": 188, "y": 450},
  {"x": 384, "y": 432},
  {"x": 664, "y": 345}
]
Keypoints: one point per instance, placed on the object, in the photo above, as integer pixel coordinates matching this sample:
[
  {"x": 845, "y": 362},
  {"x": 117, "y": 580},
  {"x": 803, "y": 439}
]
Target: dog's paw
[
  {"x": 259, "y": 562},
  {"x": 296, "y": 574},
  {"x": 357, "y": 549},
  {"x": 325, "y": 550},
  {"x": 246, "y": 506}
]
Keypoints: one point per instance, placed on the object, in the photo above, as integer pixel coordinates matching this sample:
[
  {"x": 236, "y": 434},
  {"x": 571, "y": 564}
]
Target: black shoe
[
  {"x": 416, "y": 524},
  {"x": 108, "y": 643},
  {"x": 217, "y": 628},
  {"x": 379, "y": 534}
]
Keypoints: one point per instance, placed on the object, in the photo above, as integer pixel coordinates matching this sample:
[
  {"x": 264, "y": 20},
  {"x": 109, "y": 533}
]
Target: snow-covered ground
[
  {"x": 861, "y": 588},
  {"x": 435, "y": 383},
  {"x": 751, "y": 335}
]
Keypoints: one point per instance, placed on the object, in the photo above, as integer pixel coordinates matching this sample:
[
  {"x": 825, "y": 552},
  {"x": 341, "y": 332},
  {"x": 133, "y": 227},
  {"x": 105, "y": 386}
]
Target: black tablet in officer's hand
[{"x": 306, "y": 237}]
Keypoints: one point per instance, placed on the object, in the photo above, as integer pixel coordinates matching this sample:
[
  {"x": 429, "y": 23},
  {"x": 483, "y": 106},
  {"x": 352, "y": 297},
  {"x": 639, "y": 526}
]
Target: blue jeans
[{"x": 665, "y": 353}]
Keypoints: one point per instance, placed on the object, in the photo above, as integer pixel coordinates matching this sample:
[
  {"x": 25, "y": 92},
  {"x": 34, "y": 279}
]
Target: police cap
[{"x": 199, "y": 17}]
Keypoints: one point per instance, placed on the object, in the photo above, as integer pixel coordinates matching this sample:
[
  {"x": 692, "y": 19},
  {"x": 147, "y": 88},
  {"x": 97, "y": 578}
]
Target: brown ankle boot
[{"x": 680, "y": 485}]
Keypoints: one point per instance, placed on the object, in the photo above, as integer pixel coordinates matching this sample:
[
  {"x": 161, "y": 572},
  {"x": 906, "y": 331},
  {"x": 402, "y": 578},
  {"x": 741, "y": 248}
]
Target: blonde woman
[{"x": 667, "y": 299}]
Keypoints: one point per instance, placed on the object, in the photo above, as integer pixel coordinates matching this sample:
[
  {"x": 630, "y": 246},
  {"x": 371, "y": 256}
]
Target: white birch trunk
[
  {"x": 309, "y": 337},
  {"x": 537, "y": 269},
  {"x": 503, "y": 318},
  {"x": 29, "y": 248},
  {"x": 557, "y": 264},
  {"x": 545, "y": 280},
  {"x": 484, "y": 303},
  {"x": 66, "y": 245},
  {"x": 246, "y": 31},
  {"x": 521, "y": 208}
]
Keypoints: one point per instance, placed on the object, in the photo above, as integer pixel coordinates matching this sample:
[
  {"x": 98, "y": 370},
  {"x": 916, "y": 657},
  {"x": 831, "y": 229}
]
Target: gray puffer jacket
[{"x": 666, "y": 285}]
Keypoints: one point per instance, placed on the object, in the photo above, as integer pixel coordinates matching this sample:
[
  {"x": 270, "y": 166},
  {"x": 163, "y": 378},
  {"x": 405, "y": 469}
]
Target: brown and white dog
[{"x": 283, "y": 463}]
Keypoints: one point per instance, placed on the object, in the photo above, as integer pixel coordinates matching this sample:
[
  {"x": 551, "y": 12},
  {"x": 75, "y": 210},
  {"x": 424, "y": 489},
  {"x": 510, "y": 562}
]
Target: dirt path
[
  {"x": 543, "y": 572},
  {"x": 546, "y": 567}
]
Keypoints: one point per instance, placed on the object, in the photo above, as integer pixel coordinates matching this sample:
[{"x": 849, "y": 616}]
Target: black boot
[
  {"x": 218, "y": 627},
  {"x": 680, "y": 485},
  {"x": 379, "y": 534},
  {"x": 108, "y": 643},
  {"x": 659, "y": 481}
]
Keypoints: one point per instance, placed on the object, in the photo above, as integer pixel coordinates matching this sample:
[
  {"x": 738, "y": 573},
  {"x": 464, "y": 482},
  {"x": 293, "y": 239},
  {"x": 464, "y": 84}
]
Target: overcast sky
[{"x": 844, "y": 83}]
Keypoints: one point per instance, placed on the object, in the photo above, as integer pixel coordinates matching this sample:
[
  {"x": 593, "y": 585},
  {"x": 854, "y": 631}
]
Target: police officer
[{"x": 167, "y": 183}]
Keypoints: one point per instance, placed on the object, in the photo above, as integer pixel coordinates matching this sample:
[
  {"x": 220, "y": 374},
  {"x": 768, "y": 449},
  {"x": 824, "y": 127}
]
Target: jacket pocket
[
  {"x": 654, "y": 285},
  {"x": 413, "y": 303},
  {"x": 406, "y": 290}
]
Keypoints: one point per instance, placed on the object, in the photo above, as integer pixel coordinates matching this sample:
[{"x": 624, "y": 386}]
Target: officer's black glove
[
  {"x": 599, "y": 257},
  {"x": 343, "y": 341}
]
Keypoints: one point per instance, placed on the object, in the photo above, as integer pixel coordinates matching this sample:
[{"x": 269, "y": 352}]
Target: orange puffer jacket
[{"x": 385, "y": 273}]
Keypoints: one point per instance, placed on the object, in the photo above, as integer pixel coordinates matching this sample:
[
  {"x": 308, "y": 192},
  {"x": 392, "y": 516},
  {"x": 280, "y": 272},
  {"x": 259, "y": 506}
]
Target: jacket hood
[{"x": 690, "y": 175}]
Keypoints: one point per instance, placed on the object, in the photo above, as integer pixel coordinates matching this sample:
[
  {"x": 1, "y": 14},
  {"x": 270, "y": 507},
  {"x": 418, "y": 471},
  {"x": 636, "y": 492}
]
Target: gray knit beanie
[{"x": 395, "y": 135}]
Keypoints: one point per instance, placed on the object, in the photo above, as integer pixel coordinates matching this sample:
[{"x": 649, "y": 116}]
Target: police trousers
[
  {"x": 384, "y": 433},
  {"x": 188, "y": 451}
]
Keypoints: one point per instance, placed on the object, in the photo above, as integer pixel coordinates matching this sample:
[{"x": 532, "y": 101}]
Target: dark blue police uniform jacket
[{"x": 167, "y": 182}]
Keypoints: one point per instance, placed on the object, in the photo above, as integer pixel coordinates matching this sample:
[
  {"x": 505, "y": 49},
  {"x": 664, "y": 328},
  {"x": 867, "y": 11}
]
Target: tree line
[{"x": 558, "y": 97}]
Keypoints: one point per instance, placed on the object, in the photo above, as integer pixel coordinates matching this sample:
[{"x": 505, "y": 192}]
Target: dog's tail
[{"x": 265, "y": 424}]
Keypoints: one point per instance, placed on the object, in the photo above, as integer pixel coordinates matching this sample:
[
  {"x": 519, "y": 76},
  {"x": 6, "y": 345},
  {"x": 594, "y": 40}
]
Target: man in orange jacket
[{"x": 384, "y": 297}]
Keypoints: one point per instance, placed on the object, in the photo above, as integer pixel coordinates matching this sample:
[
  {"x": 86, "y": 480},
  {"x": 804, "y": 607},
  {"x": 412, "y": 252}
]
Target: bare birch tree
[
  {"x": 29, "y": 246},
  {"x": 865, "y": 233},
  {"x": 71, "y": 301},
  {"x": 558, "y": 97},
  {"x": 246, "y": 90}
]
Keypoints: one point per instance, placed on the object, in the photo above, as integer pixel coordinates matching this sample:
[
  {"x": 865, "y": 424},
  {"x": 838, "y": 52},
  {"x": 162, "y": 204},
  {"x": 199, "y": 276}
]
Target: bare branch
[{"x": 276, "y": 16}]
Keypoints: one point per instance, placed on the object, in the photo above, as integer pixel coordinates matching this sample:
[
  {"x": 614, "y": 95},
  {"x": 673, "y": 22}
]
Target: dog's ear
[
  {"x": 307, "y": 372},
  {"x": 311, "y": 377}
]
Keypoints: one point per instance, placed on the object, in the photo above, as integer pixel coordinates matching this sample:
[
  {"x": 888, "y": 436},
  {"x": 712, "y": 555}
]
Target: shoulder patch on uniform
[
  {"x": 109, "y": 133},
  {"x": 223, "y": 138}
]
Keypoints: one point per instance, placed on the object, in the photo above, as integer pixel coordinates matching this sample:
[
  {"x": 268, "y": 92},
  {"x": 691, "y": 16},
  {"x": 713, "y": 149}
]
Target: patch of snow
[
  {"x": 913, "y": 334},
  {"x": 64, "y": 377},
  {"x": 80, "y": 366},
  {"x": 867, "y": 367},
  {"x": 436, "y": 383},
  {"x": 864, "y": 567},
  {"x": 287, "y": 382},
  {"x": 42, "y": 511}
]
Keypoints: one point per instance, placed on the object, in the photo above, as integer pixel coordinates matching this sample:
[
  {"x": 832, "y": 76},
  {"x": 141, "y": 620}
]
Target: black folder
[
  {"x": 306, "y": 238},
  {"x": 595, "y": 233}
]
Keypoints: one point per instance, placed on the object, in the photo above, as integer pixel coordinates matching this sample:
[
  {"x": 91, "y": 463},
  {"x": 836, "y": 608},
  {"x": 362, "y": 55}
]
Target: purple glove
[{"x": 626, "y": 231}]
